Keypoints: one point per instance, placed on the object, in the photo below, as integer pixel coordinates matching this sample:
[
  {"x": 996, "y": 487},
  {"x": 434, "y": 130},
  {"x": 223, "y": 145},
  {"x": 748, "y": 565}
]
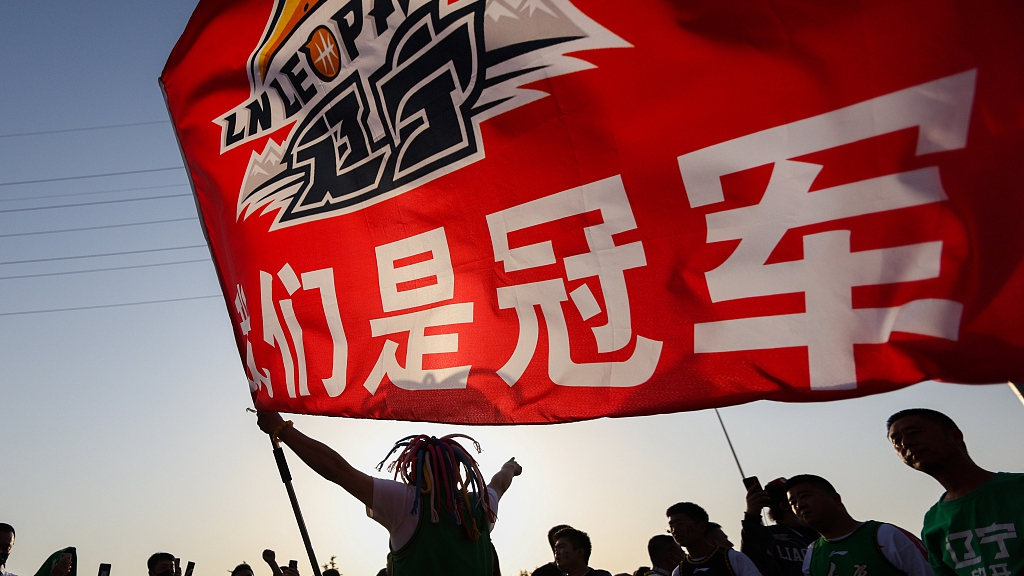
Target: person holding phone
[
  {"x": 437, "y": 524},
  {"x": 63, "y": 562},
  {"x": 776, "y": 550}
]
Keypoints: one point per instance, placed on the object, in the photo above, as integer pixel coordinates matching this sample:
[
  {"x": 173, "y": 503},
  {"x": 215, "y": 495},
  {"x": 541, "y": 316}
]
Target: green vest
[
  {"x": 442, "y": 549},
  {"x": 981, "y": 533},
  {"x": 856, "y": 555}
]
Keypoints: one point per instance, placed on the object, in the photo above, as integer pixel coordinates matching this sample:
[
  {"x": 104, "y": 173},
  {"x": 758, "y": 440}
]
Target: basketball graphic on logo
[{"x": 323, "y": 53}]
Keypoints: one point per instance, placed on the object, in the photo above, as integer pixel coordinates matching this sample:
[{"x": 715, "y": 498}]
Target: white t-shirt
[
  {"x": 741, "y": 565},
  {"x": 392, "y": 506},
  {"x": 904, "y": 551},
  {"x": 4, "y": 572}
]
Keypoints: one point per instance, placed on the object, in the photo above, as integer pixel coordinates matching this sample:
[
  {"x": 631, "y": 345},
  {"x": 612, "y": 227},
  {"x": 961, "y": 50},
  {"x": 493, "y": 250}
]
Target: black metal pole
[
  {"x": 1018, "y": 389},
  {"x": 729, "y": 440},
  {"x": 286, "y": 477}
]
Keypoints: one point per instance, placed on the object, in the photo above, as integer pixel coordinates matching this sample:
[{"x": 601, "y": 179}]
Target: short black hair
[
  {"x": 5, "y": 528},
  {"x": 578, "y": 539},
  {"x": 240, "y": 567},
  {"x": 693, "y": 511},
  {"x": 776, "y": 490},
  {"x": 331, "y": 572},
  {"x": 811, "y": 479},
  {"x": 927, "y": 413},
  {"x": 555, "y": 530},
  {"x": 658, "y": 546},
  {"x": 158, "y": 557}
]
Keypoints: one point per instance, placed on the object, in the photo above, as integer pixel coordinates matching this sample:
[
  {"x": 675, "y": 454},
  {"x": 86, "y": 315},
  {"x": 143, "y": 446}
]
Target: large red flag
[{"x": 513, "y": 211}]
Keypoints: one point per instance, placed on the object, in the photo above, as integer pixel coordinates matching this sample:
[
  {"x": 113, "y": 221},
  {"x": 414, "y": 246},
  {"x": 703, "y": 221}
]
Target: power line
[
  {"x": 97, "y": 203},
  {"x": 108, "y": 305},
  {"x": 87, "y": 176},
  {"x": 104, "y": 269},
  {"x": 65, "y": 130},
  {"x": 54, "y": 259},
  {"x": 107, "y": 227},
  {"x": 47, "y": 197}
]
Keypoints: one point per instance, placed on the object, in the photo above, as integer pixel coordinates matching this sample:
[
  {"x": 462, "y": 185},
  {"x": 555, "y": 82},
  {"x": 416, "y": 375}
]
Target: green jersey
[
  {"x": 855, "y": 555},
  {"x": 979, "y": 534},
  {"x": 442, "y": 549}
]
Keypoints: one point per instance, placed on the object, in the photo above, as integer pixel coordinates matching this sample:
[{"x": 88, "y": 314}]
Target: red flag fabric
[{"x": 522, "y": 211}]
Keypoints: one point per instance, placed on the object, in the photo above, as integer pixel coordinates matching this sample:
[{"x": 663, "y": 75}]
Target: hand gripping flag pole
[{"x": 286, "y": 477}]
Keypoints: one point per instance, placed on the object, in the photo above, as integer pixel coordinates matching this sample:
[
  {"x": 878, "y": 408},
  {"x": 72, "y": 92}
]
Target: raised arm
[
  {"x": 320, "y": 458},
  {"x": 755, "y": 537},
  {"x": 503, "y": 479},
  {"x": 271, "y": 558}
]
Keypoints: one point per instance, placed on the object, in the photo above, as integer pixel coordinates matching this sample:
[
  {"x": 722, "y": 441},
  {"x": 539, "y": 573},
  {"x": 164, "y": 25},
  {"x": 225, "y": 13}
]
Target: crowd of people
[{"x": 439, "y": 514}]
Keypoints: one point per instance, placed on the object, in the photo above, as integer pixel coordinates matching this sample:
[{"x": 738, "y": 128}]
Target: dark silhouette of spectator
[
  {"x": 717, "y": 537},
  {"x": 242, "y": 569},
  {"x": 978, "y": 505},
  {"x": 688, "y": 524},
  {"x": 665, "y": 554},
  {"x": 572, "y": 553},
  {"x": 6, "y": 545},
  {"x": 330, "y": 572},
  {"x": 163, "y": 564},
  {"x": 61, "y": 563},
  {"x": 644, "y": 571},
  {"x": 431, "y": 518},
  {"x": 847, "y": 546},
  {"x": 776, "y": 550},
  {"x": 550, "y": 569},
  {"x": 270, "y": 557}
]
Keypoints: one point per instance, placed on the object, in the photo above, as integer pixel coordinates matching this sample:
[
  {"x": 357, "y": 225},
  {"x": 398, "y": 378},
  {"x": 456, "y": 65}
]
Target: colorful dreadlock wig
[{"x": 435, "y": 467}]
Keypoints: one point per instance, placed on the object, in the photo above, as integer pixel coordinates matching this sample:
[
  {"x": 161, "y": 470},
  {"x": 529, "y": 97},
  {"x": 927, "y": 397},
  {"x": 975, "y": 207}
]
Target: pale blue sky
[{"x": 124, "y": 430}]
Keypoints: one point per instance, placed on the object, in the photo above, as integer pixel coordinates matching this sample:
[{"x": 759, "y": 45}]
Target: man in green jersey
[
  {"x": 848, "y": 547},
  {"x": 439, "y": 517},
  {"x": 974, "y": 528}
]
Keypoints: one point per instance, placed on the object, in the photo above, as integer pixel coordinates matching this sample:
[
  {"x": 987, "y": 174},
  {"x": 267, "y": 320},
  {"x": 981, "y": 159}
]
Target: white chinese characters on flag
[{"x": 499, "y": 211}]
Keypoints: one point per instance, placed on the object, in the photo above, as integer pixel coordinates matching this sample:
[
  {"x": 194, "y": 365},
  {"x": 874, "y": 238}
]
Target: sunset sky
[{"x": 125, "y": 431}]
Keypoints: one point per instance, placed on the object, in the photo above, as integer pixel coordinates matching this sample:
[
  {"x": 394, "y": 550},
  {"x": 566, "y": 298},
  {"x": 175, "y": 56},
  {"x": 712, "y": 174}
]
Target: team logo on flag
[{"x": 381, "y": 102}]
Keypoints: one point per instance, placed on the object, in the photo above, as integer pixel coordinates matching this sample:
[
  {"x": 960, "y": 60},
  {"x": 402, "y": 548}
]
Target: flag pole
[
  {"x": 1018, "y": 389},
  {"x": 727, "y": 439},
  {"x": 286, "y": 477}
]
